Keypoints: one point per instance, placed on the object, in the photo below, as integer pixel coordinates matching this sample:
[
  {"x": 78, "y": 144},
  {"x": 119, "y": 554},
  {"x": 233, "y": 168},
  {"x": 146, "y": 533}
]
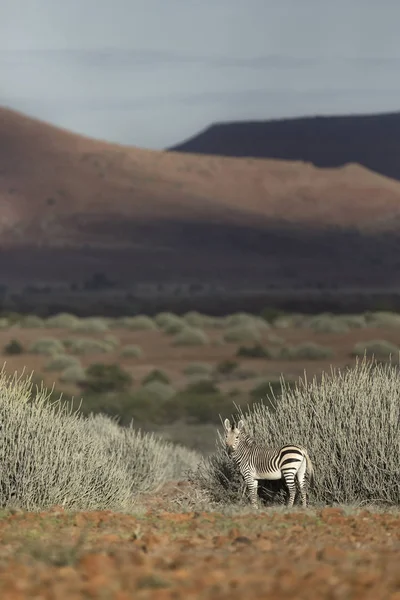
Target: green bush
[
  {"x": 132, "y": 351},
  {"x": 13, "y": 347},
  {"x": 326, "y": 324},
  {"x": 174, "y": 326},
  {"x": 91, "y": 325},
  {"x": 242, "y": 333},
  {"x": 4, "y": 323},
  {"x": 163, "y": 391},
  {"x": 349, "y": 423},
  {"x": 289, "y": 321},
  {"x": 226, "y": 367},
  {"x": 196, "y": 319},
  {"x": 31, "y": 322},
  {"x": 382, "y": 319},
  {"x": 156, "y": 375},
  {"x": 87, "y": 346},
  {"x": 202, "y": 387},
  {"x": 138, "y": 323},
  {"x": 191, "y": 337},
  {"x": 74, "y": 374},
  {"x": 111, "y": 340},
  {"x": 275, "y": 339},
  {"x": 60, "y": 362},
  {"x": 354, "y": 321},
  {"x": 240, "y": 318},
  {"x": 62, "y": 321},
  {"x": 270, "y": 314},
  {"x": 195, "y": 406},
  {"x": 255, "y": 351},
  {"x": 47, "y": 346},
  {"x": 164, "y": 318},
  {"x": 101, "y": 378},
  {"x": 305, "y": 351},
  {"x": 198, "y": 368},
  {"x": 380, "y": 349}
]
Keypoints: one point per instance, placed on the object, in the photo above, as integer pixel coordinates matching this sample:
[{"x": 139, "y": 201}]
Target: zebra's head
[{"x": 232, "y": 434}]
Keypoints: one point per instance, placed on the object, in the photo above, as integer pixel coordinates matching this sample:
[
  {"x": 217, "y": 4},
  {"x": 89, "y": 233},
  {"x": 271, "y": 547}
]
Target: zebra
[{"x": 257, "y": 462}]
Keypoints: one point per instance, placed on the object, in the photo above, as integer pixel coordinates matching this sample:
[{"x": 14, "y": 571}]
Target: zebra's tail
[{"x": 310, "y": 468}]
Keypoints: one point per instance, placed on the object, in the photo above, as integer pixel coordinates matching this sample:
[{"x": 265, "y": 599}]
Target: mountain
[
  {"x": 369, "y": 140},
  {"x": 73, "y": 207}
]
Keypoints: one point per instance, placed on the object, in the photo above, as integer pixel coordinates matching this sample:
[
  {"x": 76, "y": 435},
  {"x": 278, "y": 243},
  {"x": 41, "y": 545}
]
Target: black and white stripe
[{"x": 255, "y": 462}]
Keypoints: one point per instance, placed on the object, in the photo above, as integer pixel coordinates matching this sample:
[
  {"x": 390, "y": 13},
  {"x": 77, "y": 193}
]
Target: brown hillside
[
  {"x": 59, "y": 187},
  {"x": 150, "y": 215}
]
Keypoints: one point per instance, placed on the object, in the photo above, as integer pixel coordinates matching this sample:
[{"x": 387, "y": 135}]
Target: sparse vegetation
[
  {"x": 305, "y": 351},
  {"x": 160, "y": 389},
  {"x": 247, "y": 332},
  {"x": 59, "y": 362},
  {"x": 190, "y": 336},
  {"x": 62, "y": 321},
  {"x": 31, "y": 322},
  {"x": 91, "y": 325},
  {"x": 138, "y": 323},
  {"x": 101, "y": 378},
  {"x": 198, "y": 368},
  {"x": 132, "y": 351},
  {"x": 13, "y": 348},
  {"x": 255, "y": 351},
  {"x": 46, "y": 346},
  {"x": 74, "y": 374},
  {"x": 87, "y": 346},
  {"x": 380, "y": 349},
  {"x": 156, "y": 375}
]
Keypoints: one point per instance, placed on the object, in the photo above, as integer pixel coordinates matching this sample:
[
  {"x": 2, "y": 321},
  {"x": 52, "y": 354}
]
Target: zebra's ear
[
  {"x": 227, "y": 424},
  {"x": 240, "y": 425}
]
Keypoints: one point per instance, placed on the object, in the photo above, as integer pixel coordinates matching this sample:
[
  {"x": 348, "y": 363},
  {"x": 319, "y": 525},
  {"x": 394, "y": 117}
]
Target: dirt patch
[
  {"x": 311, "y": 554},
  {"x": 160, "y": 353}
]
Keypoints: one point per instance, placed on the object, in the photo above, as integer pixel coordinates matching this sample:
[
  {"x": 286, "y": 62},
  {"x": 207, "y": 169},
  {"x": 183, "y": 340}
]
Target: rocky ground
[{"x": 330, "y": 553}]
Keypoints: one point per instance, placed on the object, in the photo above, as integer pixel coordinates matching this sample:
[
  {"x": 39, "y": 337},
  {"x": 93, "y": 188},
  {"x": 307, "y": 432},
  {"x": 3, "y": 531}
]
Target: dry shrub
[
  {"x": 59, "y": 362},
  {"x": 47, "y": 346},
  {"x": 198, "y": 368},
  {"x": 52, "y": 455},
  {"x": 348, "y": 421},
  {"x": 326, "y": 323},
  {"x": 190, "y": 336},
  {"x": 382, "y": 319},
  {"x": 75, "y": 374},
  {"x": 87, "y": 346},
  {"x": 131, "y": 351},
  {"x": 47, "y": 456},
  {"x": 247, "y": 332},
  {"x": 305, "y": 351},
  {"x": 379, "y": 349},
  {"x": 91, "y": 325},
  {"x": 62, "y": 321},
  {"x": 138, "y": 323},
  {"x": 31, "y": 322}
]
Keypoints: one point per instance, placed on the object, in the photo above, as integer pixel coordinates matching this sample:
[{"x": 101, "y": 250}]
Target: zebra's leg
[
  {"x": 289, "y": 478},
  {"x": 301, "y": 480},
  {"x": 252, "y": 485}
]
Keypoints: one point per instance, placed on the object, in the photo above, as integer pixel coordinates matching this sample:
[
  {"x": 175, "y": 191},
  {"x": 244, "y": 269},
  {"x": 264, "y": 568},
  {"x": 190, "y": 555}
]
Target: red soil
[{"x": 161, "y": 555}]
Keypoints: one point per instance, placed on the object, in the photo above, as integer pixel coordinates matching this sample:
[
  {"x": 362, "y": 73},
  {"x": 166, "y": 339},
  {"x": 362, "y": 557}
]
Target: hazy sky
[{"x": 154, "y": 72}]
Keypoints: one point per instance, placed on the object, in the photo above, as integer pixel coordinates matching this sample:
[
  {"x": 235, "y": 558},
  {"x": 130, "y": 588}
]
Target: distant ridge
[
  {"x": 329, "y": 141},
  {"x": 72, "y": 207}
]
